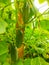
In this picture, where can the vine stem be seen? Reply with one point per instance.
(38, 16)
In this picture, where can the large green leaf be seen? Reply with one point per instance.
(3, 58)
(34, 61)
(3, 26)
(3, 51)
(3, 48)
(38, 61)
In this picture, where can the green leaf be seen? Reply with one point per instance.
(40, 50)
(38, 61)
(44, 24)
(5, 1)
(3, 48)
(3, 57)
(27, 62)
(19, 62)
(3, 26)
(3, 51)
(41, 1)
(6, 63)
